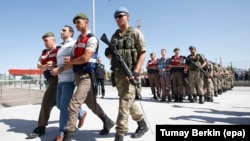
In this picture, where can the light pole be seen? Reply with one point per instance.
(93, 16)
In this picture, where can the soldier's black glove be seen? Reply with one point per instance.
(107, 52)
(136, 75)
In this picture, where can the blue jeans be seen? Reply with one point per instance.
(64, 94)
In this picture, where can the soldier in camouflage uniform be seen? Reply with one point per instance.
(226, 85)
(208, 83)
(231, 79)
(131, 46)
(215, 78)
(220, 80)
(195, 75)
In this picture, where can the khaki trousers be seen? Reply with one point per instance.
(127, 105)
(83, 94)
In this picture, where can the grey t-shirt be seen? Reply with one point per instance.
(65, 50)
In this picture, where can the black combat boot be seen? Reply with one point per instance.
(155, 97)
(118, 137)
(195, 98)
(141, 129)
(219, 91)
(180, 98)
(215, 93)
(107, 124)
(210, 99)
(191, 98)
(205, 98)
(201, 99)
(159, 96)
(176, 98)
(67, 136)
(37, 132)
(169, 98)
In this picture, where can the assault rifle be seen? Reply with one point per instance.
(204, 72)
(121, 63)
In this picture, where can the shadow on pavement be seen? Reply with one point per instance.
(215, 116)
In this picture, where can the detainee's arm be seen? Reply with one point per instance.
(49, 65)
(90, 49)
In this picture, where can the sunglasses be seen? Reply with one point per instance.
(119, 16)
(64, 30)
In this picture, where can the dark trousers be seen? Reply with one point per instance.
(99, 83)
(48, 102)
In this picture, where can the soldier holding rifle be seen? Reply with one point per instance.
(129, 43)
(195, 63)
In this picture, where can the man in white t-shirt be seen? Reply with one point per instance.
(66, 82)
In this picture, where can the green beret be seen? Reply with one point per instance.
(80, 16)
(48, 34)
(176, 49)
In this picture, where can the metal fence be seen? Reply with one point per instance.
(21, 92)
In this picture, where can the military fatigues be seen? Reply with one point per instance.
(215, 79)
(129, 45)
(195, 77)
(186, 85)
(231, 79)
(208, 83)
(226, 83)
(220, 80)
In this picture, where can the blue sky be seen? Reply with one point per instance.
(218, 28)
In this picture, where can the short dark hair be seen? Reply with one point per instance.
(70, 29)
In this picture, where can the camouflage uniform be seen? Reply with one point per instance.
(215, 78)
(129, 46)
(186, 85)
(208, 83)
(220, 80)
(226, 85)
(231, 79)
(195, 76)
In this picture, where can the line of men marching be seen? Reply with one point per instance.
(193, 76)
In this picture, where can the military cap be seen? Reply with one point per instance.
(80, 16)
(123, 10)
(48, 34)
(176, 49)
(192, 47)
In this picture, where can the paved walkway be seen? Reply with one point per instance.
(230, 108)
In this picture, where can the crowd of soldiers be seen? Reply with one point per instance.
(192, 77)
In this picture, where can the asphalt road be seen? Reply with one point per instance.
(230, 108)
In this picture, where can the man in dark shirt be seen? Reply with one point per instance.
(100, 77)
